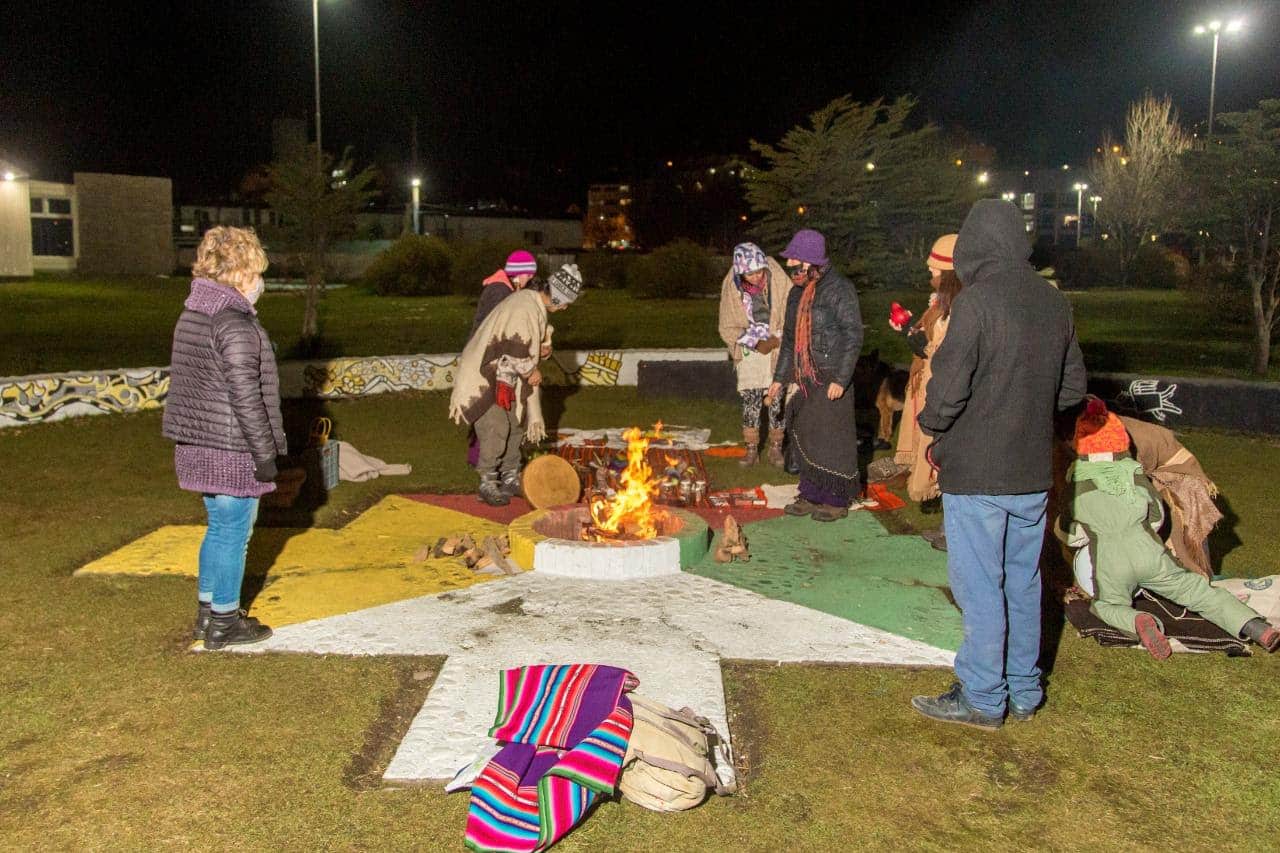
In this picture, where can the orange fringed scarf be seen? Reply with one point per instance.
(804, 336)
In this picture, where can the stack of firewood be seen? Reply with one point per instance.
(491, 556)
(733, 543)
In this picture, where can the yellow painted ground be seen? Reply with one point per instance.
(320, 573)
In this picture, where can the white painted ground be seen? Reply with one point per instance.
(671, 631)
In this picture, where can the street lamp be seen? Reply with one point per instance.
(1079, 188)
(1215, 27)
(315, 41)
(416, 183)
(983, 177)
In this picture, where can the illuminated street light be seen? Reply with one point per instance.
(1008, 196)
(1079, 188)
(1213, 27)
(983, 177)
(416, 183)
(871, 167)
(1066, 167)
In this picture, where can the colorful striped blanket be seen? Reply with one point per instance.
(565, 729)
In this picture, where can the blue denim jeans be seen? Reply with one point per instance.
(222, 553)
(993, 562)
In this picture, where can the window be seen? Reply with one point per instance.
(37, 205)
(1028, 201)
(51, 237)
(533, 238)
(60, 205)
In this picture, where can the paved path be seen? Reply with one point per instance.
(671, 632)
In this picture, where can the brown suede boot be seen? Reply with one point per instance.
(752, 439)
(775, 447)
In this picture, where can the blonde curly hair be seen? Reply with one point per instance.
(231, 256)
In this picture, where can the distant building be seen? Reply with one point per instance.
(607, 223)
(1049, 201)
(97, 224)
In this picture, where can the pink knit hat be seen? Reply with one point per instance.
(520, 262)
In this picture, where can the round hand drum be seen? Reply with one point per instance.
(550, 481)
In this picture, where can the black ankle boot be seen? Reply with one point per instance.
(233, 629)
(203, 612)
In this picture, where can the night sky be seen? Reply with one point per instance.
(531, 101)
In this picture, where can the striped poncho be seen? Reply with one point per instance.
(565, 729)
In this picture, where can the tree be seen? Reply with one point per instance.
(1137, 178)
(1233, 189)
(317, 201)
(879, 190)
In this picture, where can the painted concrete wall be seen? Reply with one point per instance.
(1176, 402)
(124, 224)
(27, 400)
(15, 228)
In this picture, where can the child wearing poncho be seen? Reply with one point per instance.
(1111, 511)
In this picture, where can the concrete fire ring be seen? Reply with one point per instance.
(606, 561)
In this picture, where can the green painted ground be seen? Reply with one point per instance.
(853, 569)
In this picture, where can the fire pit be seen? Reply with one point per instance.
(551, 541)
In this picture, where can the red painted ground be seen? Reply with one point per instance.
(471, 505)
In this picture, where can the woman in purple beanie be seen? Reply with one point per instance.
(223, 413)
(820, 344)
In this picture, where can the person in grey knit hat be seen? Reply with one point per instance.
(564, 285)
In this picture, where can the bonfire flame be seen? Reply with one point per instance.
(630, 513)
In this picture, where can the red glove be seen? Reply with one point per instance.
(899, 317)
(505, 396)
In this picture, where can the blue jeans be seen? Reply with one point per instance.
(222, 553)
(993, 562)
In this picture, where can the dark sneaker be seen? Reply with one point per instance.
(234, 629)
(203, 612)
(1151, 637)
(823, 512)
(800, 507)
(510, 484)
(491, 492)
(952, 707)
(1022, 715)
(937, 539)
(1262, 633)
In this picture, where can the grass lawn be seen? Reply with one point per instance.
(128, 323)
(113, 737)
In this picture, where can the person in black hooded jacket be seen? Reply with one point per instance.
(1010, 361)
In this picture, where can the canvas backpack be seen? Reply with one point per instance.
(668, 766)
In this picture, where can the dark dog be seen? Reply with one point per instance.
(884, 386)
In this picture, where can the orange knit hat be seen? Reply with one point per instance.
(1100, 431)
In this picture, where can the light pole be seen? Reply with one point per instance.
(1215, 27)
(1079, 188)
(416, 183)
(315, 39)
(1095, 199)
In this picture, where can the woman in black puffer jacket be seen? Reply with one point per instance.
(223, 412)
(820, 345)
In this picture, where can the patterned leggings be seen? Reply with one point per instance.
(753, 402)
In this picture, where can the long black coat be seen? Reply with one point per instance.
(224, 389)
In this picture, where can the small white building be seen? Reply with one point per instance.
(103, 224)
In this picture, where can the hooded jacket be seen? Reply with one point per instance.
(493, 290)
(1009, 361)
